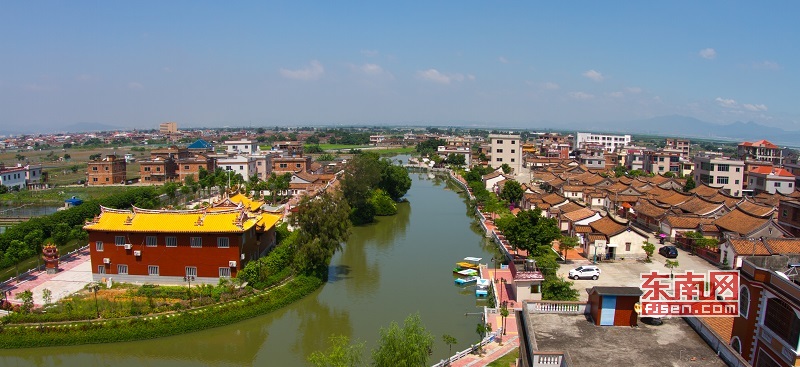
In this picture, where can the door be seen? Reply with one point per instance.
(607, 310)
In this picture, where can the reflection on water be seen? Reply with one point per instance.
(396, 267)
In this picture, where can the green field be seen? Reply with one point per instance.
(56, 196)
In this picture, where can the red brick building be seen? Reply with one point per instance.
(107, 171)
(164, 246)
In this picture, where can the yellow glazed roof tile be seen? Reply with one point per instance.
(173, 221)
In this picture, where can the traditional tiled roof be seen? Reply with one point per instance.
(569, 207)
(492, 175)
(574, 188)
(579, 214)
(675, 199)
(783, 246)
(753, 247)
(705, 190)
(700, 206)
(723, 326)
(593, 237)
(740, 222)
(607, 226)
(709, 228)
(650, 209)
(685, 221)
(766, 170)
(553, 199)
(177, 221)
(767, 198)
(581, 228)
(249, 204)
(754, 208)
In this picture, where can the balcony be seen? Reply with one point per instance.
(559, 307)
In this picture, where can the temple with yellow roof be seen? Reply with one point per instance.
(171, 246)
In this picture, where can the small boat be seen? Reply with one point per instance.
(465, 272)
(469, 263)
(467, 280)
(482, 289)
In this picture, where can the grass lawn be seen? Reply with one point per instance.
(57, 195)
(506, 360)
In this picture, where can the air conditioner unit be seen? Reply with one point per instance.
(128, 246)
(232, 263)
(106, 260)
(242, 256)
(137, 253)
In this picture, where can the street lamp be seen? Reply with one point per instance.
(94, 287)
(503, 283)
(189, 278)
(494, 275)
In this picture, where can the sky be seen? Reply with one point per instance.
(525, 64)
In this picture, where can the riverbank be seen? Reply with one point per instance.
(156, 326)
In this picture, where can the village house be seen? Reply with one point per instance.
(761, 150)
(107, 171)
(613, 239)
(771, 180)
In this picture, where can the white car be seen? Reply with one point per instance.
(586, 271)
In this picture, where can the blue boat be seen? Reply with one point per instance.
(467, 280)
(482, 289)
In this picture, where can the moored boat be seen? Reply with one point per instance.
(465, 272)
(482, 289)
(469, 263)
(467, 280)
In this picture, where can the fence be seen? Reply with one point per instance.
(559, 307)
(472, 349)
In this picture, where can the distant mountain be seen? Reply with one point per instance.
(690, 127)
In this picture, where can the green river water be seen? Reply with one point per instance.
(388, 270)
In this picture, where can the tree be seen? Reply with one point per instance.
(698, 241)
(506, 168)
(340, 353)
(361, 175)
(394, 180)
(565, 244)
(690, 185)
(450, 341)
(321, 231)
(61, 233)
(47, 296)
(512, 192)
(504, 314)
(27, 300)
(671, 264)
(384, 205)
(648, 248)
(171, 190)
(409, 346)
(558, 289)
(456, 159)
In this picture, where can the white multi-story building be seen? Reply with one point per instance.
(771, 180)
(609, 142)
(506, 149)
(715, 170)
(241, 147)
(243, 165)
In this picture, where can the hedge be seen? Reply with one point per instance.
(130, 329)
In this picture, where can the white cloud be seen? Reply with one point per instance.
(135, 86)
(313, 72)
(85, 77)
(754, 107)
(435, 76)
(550, 86)
(167, 69)
(616, 94)
(766, 65)
(727, 103)
(732, 104)
(371, 69)
(370, 53)
(581, 96)
(502, 60)
(634, 90)
(594, 75)
(708, 53)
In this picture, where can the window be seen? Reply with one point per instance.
(186, 167)
(147, 169)
(119, 240)
(499, 151)
(283, 165)
(191, 271)
(736, 182)
(790, 184)
(499, 142)
(513, 160)
(723, 167)
(151, 241)
(781, 319)
(627, 246)
(536, 288)
(241, 168)
(171, 241)
(499, 159)
(737, 169)
(222, 242)
(722, 180)
(513, 142)
(736, 344)
(744, 301)
(123, 269)
(94, 179)
(224, 272)
(661, 168)
(158, 169)
(777, 184)
(513, 151)
(196, 242)
(98, 246)
(152, 270)
(101, 269)
(94, 168)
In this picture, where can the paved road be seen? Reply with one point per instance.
(627, 273)
(76, 273)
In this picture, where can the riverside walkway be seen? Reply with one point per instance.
(74, 274)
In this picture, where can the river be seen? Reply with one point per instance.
(398, 266)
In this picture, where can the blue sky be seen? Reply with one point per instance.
(525, 64)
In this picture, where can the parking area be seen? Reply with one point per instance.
(627, 273)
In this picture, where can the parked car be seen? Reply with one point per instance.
(669, 252)
(585, 271)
